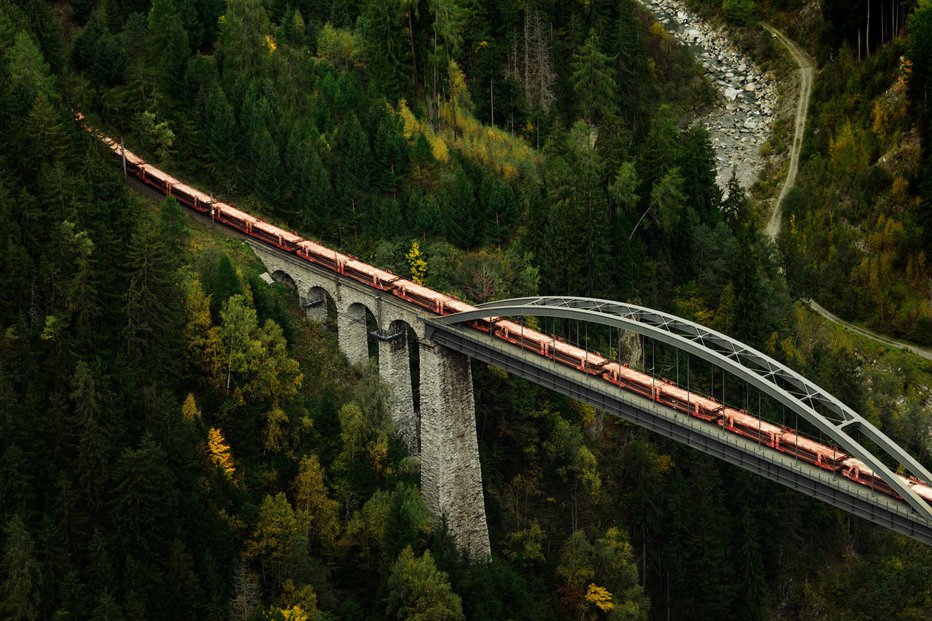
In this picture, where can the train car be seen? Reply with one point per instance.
(922, 489)
(232, 216)
(192, 197)
(582, 359)
(629, 379)
(330, 259)
(161, 181)
(286, 240)
(859, 472)
(428, 299)
(751, 427)
(689, 402)
(822, 455)
(524, 337)
(369, 275)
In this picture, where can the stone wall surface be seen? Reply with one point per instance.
(451, 479)
(395, 371)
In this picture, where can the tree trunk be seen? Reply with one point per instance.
(867, 31)
(492, 101)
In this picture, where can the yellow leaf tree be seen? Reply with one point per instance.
(416, 263)
(220, 454)
(600, 597)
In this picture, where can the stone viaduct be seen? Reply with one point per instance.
(441, 428)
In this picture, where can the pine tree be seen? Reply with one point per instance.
(418, 590)
(167, 42)
(267, 178)
(145, 503)
(593, 81)
(153, 303)
(20, 588)
(460, 212)
(384, 30)
(222, 133)
(352, 169)
(390, 153)
(697, 165)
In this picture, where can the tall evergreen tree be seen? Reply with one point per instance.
(593, 81)
(167, 41)
(21, 577)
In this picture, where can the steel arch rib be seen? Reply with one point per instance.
(772, 377)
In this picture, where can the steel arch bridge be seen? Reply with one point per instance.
(829, 415)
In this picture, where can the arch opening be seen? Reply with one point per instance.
(360, 326)
(284, 278)
(404, 336)
(319, 306)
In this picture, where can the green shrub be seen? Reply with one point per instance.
(739, 11)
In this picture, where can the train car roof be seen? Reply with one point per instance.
(201, 196)
(192, 191)
(753, 421)
(374, 271)
(421, 290)
(854, 462)
(323, 250)
(522, 330)
(161, 174)
(791, 437)
(459, 305)
(632, 374)
(923, 490)
(690, 397)
(593, 357)
(134, 159)
(286, 235)
(236, 213)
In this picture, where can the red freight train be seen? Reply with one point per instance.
(662, 391)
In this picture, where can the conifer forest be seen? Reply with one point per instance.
(179, 441)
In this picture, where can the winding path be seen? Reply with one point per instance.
(807, 75)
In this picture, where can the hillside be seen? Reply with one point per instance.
(177, 441)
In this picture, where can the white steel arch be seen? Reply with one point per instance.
(773, 378)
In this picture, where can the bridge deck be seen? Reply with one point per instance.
(708, 438)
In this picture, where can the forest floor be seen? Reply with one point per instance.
(807, 76)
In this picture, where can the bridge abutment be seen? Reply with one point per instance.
(451, 478)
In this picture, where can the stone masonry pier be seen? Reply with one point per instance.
(442, 431)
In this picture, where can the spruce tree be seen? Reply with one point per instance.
(593, 81)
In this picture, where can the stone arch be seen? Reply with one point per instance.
(355, 322)
(319, 305)
(283, 277)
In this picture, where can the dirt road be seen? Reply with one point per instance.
(806, 76)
